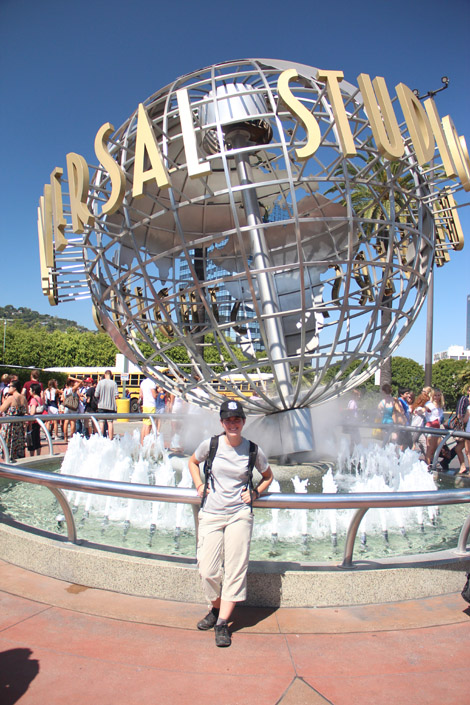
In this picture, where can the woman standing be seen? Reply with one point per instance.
(226, 518)
(433, 420)
(51, 399)
(388, 408)
(14, 405)
(35, 407)
(70, 390)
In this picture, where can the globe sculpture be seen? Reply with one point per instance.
(260, 272)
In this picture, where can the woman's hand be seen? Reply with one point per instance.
(200, 490)
(246, 495)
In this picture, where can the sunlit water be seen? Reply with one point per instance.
(279, 534)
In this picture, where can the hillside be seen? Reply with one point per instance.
(28, 317)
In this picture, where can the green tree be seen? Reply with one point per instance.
(452, 378)
(406, 373)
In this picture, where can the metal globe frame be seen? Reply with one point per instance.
(309, 271)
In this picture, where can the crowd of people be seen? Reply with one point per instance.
(421, 412)
(78, 396)
(86, 396)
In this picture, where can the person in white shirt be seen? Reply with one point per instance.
(148, 397)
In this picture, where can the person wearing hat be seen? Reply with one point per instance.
(226, 517)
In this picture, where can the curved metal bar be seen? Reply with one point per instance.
(463, 538)
(351, 536)
(68, 514)
(6, 453)
(274, 500)
(96, 424)
(48, 435)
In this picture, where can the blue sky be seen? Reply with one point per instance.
(66, 68)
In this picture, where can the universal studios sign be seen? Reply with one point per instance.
(196, 118)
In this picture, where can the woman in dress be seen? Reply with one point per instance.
(14, 405)
(35, 407)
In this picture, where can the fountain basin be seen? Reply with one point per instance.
(269, 584)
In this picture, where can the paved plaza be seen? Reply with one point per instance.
(65, 643)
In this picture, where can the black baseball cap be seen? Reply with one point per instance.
(232, 408)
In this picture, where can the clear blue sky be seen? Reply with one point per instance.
(66, 68)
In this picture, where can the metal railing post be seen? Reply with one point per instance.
(351, 536)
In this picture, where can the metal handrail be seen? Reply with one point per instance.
(361, 501)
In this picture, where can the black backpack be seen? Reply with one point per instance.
(214, 444)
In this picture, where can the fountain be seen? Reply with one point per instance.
(169, 528)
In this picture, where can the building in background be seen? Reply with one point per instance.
(453, 352)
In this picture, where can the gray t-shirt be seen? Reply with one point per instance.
(229, 473)
(106, 393)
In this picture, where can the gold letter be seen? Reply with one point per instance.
(381, 116)
(79, 181)
(46, 252)
(299, 110)
(333, 79)
(145, 140)
(189, 137)
(60, 241)
(443, 147)
(458, 150)
(116, 174)
(418, 124)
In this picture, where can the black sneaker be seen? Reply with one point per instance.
(222, 635)
(209, 621)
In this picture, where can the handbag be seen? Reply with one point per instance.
(466, 589)
(29, 440)
(71, 401)
(454, 423)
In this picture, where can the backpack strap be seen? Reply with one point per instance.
(214, 444)
(252, 455)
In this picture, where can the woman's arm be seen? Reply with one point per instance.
(193, 465)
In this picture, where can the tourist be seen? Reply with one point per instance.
(5, 379)
(160, 405)
(14, 404)
(91, 406)
(106, 393)
(463, 409)
(51, 403)
(70, 402)
(433, 415)
(34, 379)
(147, 398)
(388, 408)
(418, 413)
(226, 517)
(405, 400)
(33, 436)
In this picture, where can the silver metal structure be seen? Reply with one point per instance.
(312, 271)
